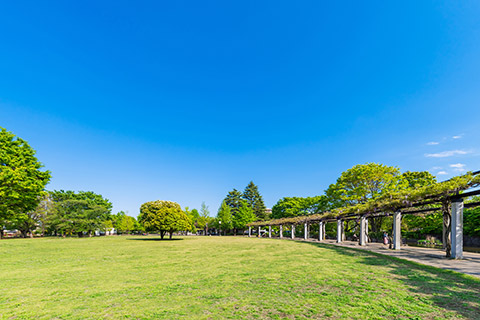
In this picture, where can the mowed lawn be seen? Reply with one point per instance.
(221, 277)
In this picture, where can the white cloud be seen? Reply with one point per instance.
(442, 172)
(457, 137)
(445, 154)
(459, 167)
(432, 143)
(437, 168)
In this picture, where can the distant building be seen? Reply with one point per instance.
(268, 211)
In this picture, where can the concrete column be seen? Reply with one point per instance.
(363, 232)
(293, 231)
(249, 232)
(258, 235)
(324, 233)
(305, 231)
(281, 231)
(397, 230)
(366, 230)
(320, 231)
(339, 230)
(269, 231)
(457, 229)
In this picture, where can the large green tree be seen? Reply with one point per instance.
(298, 206)
(22, 181)
(255, 201)
(163, 216)
(224, 217)
(78, 213)
(233, 200)
(79, 217)
(243, 217)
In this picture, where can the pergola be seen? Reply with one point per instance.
(447, 196)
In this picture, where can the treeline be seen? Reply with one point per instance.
(367, 182)
(68, 213)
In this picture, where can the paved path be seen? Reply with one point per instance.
(470, 264)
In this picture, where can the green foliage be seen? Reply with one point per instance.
(77, 217)
(89, 196)
(124, 223)
(21, 180)
(163, 216)
(297, 206)
(224, 217)
(255, 201)
(363, 182)
(77, 213)
(418, 179)
(244, 216)
(28, 222)
(471, 221)
(233, 200)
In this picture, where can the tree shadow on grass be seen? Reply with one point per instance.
(155, 239)
(447, 289)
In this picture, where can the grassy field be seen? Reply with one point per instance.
(221, 277)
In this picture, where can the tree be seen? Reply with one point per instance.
(297, 206)
(224, 217)
(204, 220)
(78, 213)
(362, 183)
(28, 222)
(77, 217)
(124, 223)
(255, 201)
(418, 179)
(21, 180)
(233, 200)
(243, 217)
(163, 216)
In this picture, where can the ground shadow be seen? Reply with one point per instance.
(445, 288)
(155, 239)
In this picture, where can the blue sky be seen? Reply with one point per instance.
(186, 100)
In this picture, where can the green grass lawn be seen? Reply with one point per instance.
(221, 277)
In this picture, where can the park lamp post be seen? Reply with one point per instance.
(220, 228)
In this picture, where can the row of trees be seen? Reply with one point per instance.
(71, 213)
(367, 182)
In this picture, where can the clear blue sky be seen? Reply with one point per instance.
(186, 100)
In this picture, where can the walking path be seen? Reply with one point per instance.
(470, 264)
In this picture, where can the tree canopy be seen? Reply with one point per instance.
(21, 180)
(255, 201)
(163, 216)
(298, 206)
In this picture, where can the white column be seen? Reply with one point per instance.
(281, 231)
(249, 231)
(397, 230)
(293, 231)
(324, 233)
(269, 231)
(259, 232)
(305, 231)
(363, 233)
(320, 231)
(457, 229)
(366, 230)
(339, 230)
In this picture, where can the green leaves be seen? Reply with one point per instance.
(163, 216)
(21, 180)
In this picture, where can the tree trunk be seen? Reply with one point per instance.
(447, 222)
(171, 233)
(162, 234)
